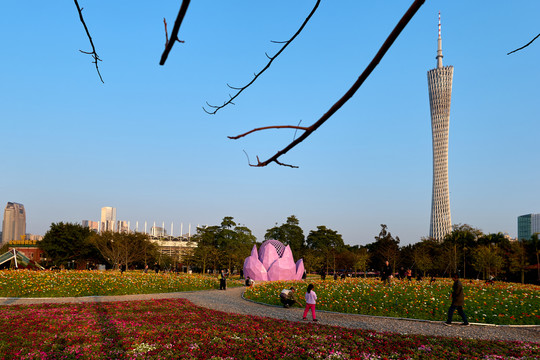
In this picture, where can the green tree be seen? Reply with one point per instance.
(360, 258)
(462, 238)
(487, 259)
(423, 255)
(327, 243)
(226, 245)
(66, 243)
(384, 248)
(517, 259)
(128, 248)
(289, 233)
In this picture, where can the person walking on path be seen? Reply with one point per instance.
(458, 300)
(222, 280)
(311, 300)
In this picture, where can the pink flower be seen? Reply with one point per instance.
(273, 262)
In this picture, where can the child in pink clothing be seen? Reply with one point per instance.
(311, 299)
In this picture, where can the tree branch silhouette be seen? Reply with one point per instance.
(93, 52)
(268, 127)
(524, 46)
(174, 33)
(272, 58)
(409, 14)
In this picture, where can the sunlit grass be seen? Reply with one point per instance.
(26, 283)
(500, 303)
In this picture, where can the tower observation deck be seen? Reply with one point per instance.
(440, 93)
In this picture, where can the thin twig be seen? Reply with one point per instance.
(295, 131)
(174, 33)
(166, 33)
(93, 53)
(365, 74)
(524, 46)
(266, 128)
(272, 58)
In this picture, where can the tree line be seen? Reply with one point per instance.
(466, 250)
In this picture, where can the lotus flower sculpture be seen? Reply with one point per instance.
(274, 261)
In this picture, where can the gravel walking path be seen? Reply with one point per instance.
(231, 301)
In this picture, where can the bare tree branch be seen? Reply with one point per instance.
(365, 74)
(524, 46)
(93, 52)
(174, 33)
(268, 127)
(272, 58)
(167, 34)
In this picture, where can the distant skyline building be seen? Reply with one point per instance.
(92, 225)
(528, 225)
(108, 218)
(122, 226)
(158, 231)
(440, 93)
(14, 224)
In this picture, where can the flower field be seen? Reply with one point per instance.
(176, 329)
(500, 303)
(26, 283)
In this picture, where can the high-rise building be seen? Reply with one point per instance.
(122, 226)
(92, 225)
(108, 218)
(440, 93)
(528, 225)
(14, 224)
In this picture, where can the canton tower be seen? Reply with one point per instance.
(440, 93)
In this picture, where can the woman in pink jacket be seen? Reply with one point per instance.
(311, 299)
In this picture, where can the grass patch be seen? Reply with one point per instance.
(500, 303)
(26, 283)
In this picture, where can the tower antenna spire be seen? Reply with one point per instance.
(439, 46)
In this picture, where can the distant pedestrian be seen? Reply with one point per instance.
(145, 269)
(386, 273)
(311, 300)
(409, 274)
(157, 267)
(458, 300)
(222, 280)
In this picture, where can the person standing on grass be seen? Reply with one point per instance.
(311, 299)
(386, 273)
(458, 300)
(222, 280)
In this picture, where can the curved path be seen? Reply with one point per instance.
(231, 301)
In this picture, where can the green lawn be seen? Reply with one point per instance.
(500, 303)
(26, 283)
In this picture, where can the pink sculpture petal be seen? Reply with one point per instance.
(255, 269)
(284, 268)
(267, 265)
(268, 255)
(299, 269)
(254, 252)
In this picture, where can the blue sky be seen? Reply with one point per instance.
(142, 143)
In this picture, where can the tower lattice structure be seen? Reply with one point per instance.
(440, 93)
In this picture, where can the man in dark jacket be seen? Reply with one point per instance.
(458, 300)
(386, 273)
